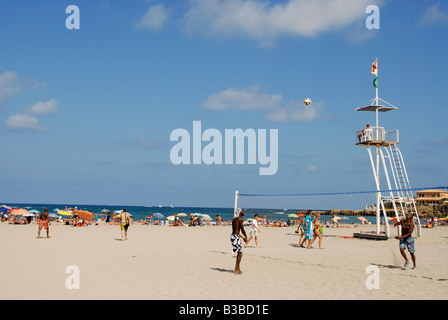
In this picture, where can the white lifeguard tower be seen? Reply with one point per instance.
(383, 151)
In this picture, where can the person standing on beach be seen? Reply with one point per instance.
(254, 230)
(44, 222)
(124, 224)
(235, 238)
(406, 239)
(107, 216)
(75, 217)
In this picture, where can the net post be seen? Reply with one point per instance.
(236, 204)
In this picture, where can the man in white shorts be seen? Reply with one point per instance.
(254, 231)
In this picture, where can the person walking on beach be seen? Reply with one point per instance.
(300, 229)
(254, 230)
(308, 229)
(317, 231)
(124, 224)
(406, 239)
(235, 238)
(44, 222)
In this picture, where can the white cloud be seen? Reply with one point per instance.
(434, 15)
(25, 121)
(154, 18)
(28, 120)
(9, 85)
(252, 99)
(148, 142)
(265, 21)
(50, 106)
(296, 111)
(242, 99)
(312, 169)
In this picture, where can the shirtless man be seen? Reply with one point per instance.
(235, 238)
(406, 240)
(44, 222)
(124, 224)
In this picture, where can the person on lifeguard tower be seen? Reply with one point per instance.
(366, 134)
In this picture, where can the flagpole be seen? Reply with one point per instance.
(376, 98)
(378, 195)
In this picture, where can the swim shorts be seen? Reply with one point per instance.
(124, 226)
(237, 243)
(409, 243)
(43, 224)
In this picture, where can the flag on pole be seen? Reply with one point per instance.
(375, 82)
(374, 69)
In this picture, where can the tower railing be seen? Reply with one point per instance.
(376, 135)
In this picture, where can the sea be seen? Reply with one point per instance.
(142, 212)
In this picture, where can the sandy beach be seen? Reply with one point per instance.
(161, 262)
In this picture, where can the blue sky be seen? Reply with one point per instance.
(86, 114)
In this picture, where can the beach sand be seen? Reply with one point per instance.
(161, 262)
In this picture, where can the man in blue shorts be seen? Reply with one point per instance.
(406, 240)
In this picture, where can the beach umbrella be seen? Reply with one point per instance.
(65, 213)
(158, 215)
(19, 212)
(53, 215)
(206, 217)
(181, 214)
(34, 211)
(292, 215)
(170, 218)
(28, 214)
(363, 220)
(86, 215)
(4, 209)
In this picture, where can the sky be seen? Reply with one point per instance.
(87, 111)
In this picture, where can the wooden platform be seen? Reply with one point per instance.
(370, 236)
(377, 143)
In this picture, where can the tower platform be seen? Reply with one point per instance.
(377, 143)
(370, 236)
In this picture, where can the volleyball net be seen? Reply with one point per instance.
(336, 209)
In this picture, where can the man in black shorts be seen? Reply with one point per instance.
(235, 238)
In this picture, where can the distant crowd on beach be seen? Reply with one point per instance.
(70, 216)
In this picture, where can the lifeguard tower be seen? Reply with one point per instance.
(383, 151)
